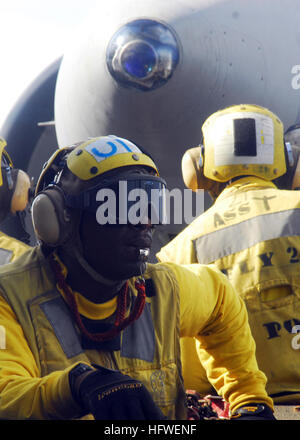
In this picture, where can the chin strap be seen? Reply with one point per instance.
(120, 321)
(117, 284)
(73, 246)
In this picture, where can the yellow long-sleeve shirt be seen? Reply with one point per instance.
(34, 370)
(252, 234)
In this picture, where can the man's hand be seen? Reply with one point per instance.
(110, 395)
(253, 411)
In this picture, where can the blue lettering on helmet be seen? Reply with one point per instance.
(110, 153)
(124, 145)
(108, 146)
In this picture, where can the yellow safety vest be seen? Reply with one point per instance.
(10, 248)
(252, 234)
(149, 349)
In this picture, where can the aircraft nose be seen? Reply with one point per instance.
(143, 54)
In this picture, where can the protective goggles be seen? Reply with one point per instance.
(136, 199)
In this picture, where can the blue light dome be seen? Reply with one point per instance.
(143, 54)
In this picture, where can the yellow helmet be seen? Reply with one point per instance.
(91, 158)
(243, 140)
(71, 179)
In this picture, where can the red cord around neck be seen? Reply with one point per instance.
(120, 321)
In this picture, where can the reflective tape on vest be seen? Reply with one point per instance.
(236, 238)
(5, 256)
(61, 320)
(139, 338)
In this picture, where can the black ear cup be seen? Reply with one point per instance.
(291, 179)
(50, 217)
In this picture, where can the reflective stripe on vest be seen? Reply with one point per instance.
(5, 256)
(61, 320)
(138, 339)
(243, 235)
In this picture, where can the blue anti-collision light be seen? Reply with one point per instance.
(138, 59)
(143, 54)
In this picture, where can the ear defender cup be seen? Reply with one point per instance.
(192, 169)
(20, 195)
(291, 179)
(296, 177)
(193, 173)
(14, 191)
(50, 217)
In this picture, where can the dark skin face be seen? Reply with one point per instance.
(111, 250)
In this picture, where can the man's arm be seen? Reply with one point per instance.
(180, 250)
(215, 314)
(66, 394)
(24, 394)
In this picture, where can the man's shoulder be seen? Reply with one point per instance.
(155, 269)
(30, 258)
(161, 273)
(176, 271)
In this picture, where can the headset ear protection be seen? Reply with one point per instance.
(291, 179)
(292, 136)
(21, 193)
(15, 185)
(295, 185)
(52, 220)
(192, 169)
(192, 166)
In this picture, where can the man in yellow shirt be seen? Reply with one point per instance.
(251, 233)
(92, 329)
(14, 191)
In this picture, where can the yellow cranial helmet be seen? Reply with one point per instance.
(243, 140)
(89, 159)
(72, 178)
(106, 153)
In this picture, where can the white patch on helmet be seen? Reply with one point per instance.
(109, 146)
(223, 135)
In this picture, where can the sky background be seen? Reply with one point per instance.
(33, 34)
